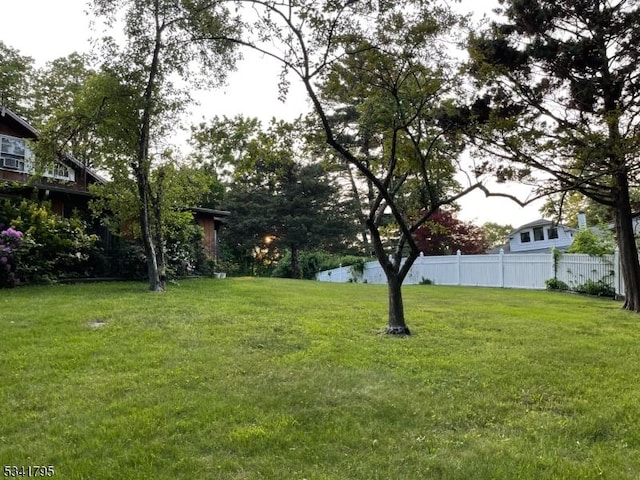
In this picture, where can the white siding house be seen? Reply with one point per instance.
(540, 236)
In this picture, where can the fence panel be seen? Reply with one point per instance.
(440, 270)
(522, 270)
(576, 269)
(527, 270)
(481, 270)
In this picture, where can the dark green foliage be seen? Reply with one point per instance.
(555, 284)
(184, 253)
(53, 248)
(16, 71)
(560, 79)
(281, 199)
(599, 288)
(311, 263)
(129, 262)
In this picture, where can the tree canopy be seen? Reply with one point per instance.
(281, 198)
(560, 99)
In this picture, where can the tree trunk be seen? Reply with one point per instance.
(156, 283)
(396, 324)
(159, 234)
(142, 171)
(630, 265)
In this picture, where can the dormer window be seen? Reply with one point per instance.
(14, 154)
(538, 234)
(525, 237)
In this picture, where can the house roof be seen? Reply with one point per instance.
(221, 215)
(7, 112)
(99, 178)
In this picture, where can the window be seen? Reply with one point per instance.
(525, 237)
(60, 171)
(538, 234)
(552, 233)
(13, 153)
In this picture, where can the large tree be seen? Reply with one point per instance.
(392, 56)
(132, 105)
(562, 84)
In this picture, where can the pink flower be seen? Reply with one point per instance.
(10, 232)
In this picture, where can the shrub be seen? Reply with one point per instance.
(52, 247)
(10, 241)
(129, 261)
(183, 246)
(599, 288)
(311, 263)
(555, 284)
(586, 241)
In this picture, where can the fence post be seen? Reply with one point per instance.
(501, 260)
(458, 258)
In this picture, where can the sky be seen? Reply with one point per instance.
(46, 30)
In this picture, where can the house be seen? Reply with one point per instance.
(65, 184)
(210, 221)
(540, 236)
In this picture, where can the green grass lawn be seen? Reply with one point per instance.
(277, 379)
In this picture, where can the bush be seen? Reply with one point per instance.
(129, 261)
(555, 284)
(183, 246)
(586, 241)
(52, 247)
(599, 288)
(10, 241)
(312, 263)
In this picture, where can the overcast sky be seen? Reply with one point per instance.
(47, 29)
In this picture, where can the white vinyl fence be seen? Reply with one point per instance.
(522, 270)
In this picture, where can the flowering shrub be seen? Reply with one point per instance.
(183, 245)
(50, 247)
(10, 241)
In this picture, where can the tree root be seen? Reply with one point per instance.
(401, 331)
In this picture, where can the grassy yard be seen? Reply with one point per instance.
(276, 379)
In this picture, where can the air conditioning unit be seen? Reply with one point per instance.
(12, 163)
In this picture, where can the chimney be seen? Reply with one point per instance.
(582, 220)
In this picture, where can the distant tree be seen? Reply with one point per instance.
(16, 73)
(496, 234)
(444, 234)
(592, 243)
(566, 206)
(559, 93)
(280, 199)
